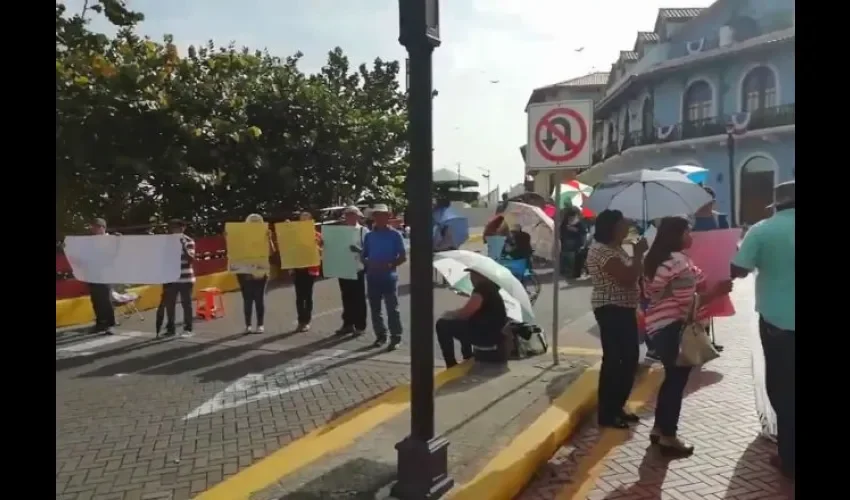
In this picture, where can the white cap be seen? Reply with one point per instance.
(380, 208)
(351, 209)
(254, 218)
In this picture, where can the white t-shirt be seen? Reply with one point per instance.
(359, 237)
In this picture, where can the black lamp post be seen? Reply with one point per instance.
(730, 151)
(422, 459)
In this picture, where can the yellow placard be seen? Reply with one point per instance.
(297, 244)
(247, 247)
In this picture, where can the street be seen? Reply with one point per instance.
(139, 416)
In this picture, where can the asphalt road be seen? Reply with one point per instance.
(139, 417)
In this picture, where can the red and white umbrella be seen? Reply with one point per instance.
(574, 193)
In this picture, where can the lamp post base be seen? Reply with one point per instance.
(422, 469)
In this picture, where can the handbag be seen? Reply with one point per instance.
(695, 348)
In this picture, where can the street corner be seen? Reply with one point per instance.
(326, 440)
(482, 415)
(138, 415)
(568, 396)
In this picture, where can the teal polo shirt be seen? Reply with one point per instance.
(769, 249)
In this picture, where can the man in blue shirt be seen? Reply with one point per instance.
(383, 252)
(769, 248)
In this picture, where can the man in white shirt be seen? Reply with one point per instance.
(101, 294)
(353, 292)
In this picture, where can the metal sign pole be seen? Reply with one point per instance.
(556, 270)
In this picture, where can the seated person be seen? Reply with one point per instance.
(479, 322)
(519, 246)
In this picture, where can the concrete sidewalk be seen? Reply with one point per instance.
(731, 460)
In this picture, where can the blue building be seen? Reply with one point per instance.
(711, 87)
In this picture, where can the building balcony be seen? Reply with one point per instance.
(765, 118)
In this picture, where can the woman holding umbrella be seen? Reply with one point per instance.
(614, 276)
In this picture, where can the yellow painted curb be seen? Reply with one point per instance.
(509, 471)
(580, 351)
(329, 438)
(78, 311)
(591, 465)
(475, 238)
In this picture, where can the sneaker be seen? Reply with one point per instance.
(187, 333)
(169, 334)
(344, 330)
(303, 327)
(261, 329)
(379, 342)
(108, 331)
(394, 343)
(248, 330)
(358, 333)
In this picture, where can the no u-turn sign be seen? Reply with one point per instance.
(559, 135)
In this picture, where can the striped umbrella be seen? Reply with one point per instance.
(574, 193)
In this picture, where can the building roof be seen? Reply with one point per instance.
(676, 15)
(598, 78)
(629, 55)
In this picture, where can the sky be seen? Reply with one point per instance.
(493, 54)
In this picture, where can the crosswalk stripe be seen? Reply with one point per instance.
(86, 348)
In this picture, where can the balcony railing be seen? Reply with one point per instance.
(776, 116)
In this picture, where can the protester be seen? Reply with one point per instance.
(182, 288)
(573, 239)
(304, 279)
(100, 294)
(353, 291)
(614, 299)
(479, 322)
(253, 287)
(383, 252)
(496, 227)
(671, 283)
(769, 248)
(443, 238)
(708, 219)
(518, 244)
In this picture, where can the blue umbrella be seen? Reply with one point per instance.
(696, 174)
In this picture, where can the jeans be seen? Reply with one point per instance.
(618, 331)
(253, 296)
(780, 381)
(353, 294)
(384, 289)
(101, 302)
(170, 294)
(450, 329)
(304, 295)
(668, 407)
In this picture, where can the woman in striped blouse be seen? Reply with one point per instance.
(671, 282)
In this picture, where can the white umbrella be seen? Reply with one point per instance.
(453, 265)
(648, 195)
(536, 223)
(696, 174)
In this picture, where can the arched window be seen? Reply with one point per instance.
(758, 176)
(698, 102)
(647, 119)
(758, 90)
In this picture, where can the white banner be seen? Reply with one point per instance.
(131, 260)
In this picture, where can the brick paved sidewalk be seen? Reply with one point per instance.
(718, 417)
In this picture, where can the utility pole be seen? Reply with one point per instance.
(422, 457)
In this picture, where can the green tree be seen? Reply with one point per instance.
(143, 132)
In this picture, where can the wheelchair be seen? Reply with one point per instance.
(524, 272)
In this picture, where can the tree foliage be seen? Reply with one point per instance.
(146, 133)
